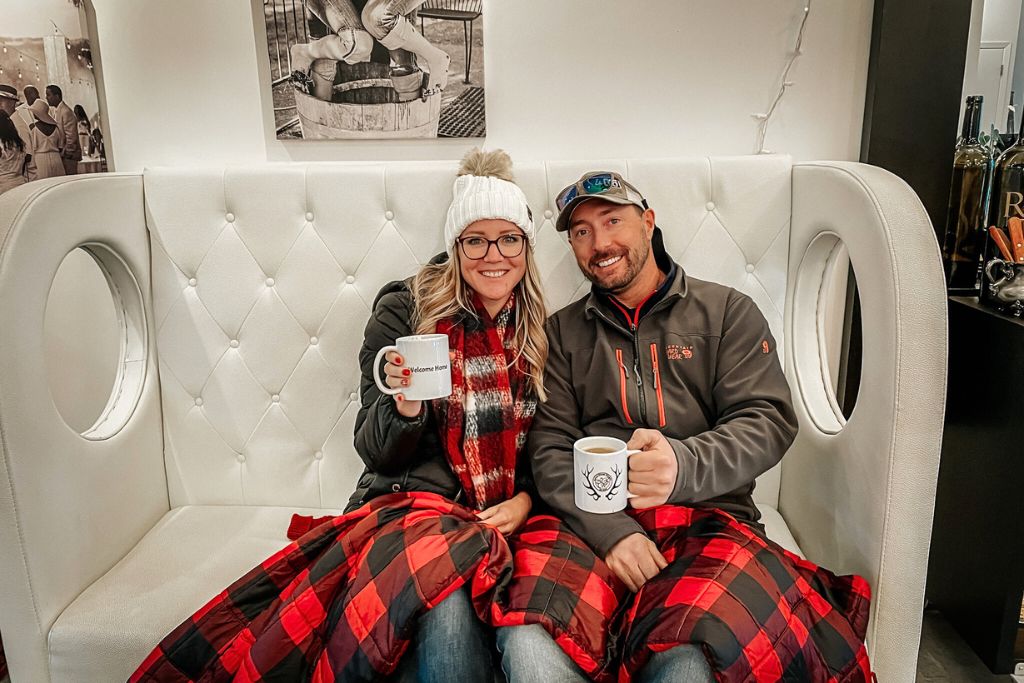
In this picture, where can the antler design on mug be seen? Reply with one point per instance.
(589, 485)
(616, 484)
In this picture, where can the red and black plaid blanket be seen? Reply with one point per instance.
(342, 601)
(3, 660)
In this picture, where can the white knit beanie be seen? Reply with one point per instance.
(485, 189)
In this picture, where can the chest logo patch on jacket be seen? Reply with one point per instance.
(764, 346)
(678, 352)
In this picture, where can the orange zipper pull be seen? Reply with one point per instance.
(657, 385)
(622, 386)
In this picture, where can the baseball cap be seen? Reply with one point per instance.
(606, 185)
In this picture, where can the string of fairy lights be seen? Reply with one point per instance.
(26, 61)
(764, 118)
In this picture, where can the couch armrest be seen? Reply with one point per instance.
(71, 505)
(859, 495)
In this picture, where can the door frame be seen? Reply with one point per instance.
(1005, 79)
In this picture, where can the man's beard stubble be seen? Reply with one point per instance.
(635, 259)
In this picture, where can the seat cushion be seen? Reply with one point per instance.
(192, 554)
(777, 529)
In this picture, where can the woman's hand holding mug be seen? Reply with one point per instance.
(397, 377)
(418, 369)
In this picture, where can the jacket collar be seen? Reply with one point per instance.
(597, 300)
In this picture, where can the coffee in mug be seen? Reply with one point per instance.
(601, 474)
(426, 357)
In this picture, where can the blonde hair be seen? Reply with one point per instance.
(439, 292)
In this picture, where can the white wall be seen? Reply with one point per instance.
(565, 79)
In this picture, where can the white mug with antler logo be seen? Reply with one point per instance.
(601, 465)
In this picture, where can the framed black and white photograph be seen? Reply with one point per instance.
(49, 92)
(376, 69)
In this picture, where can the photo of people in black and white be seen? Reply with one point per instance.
(50, 119)
(376, 69)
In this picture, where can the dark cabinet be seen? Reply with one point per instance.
(976, 566)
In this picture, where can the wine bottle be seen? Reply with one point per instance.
(965, 219)
(1007, 197)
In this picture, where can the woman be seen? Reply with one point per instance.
(486, 281)
(442, 481)
(12, 155)
(83, 129)
(96, 144)
(45, 141)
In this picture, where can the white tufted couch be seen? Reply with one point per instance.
(242, 294)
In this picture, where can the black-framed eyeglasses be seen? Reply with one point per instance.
(476, 247)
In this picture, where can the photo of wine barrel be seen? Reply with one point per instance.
(383, 69)
(362, 102)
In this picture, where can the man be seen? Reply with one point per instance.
(23, 120)
(31, 94)
(71, 149)
(684, 370)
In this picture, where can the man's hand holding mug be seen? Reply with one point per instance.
(650, 466)
(652, 471)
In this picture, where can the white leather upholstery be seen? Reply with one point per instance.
(777, 529)
(859, 496)
(258, 282)
(257, 356)
(192, 554)
(70, 507)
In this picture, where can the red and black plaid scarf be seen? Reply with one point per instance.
(341, 602)
(485, 420)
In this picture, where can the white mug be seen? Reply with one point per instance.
(426, 356)
(601, 474)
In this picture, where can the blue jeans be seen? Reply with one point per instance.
(451, 644)
(530, 655)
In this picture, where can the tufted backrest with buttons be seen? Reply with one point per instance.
(263, 278)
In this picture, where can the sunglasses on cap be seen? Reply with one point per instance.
(596, 184)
